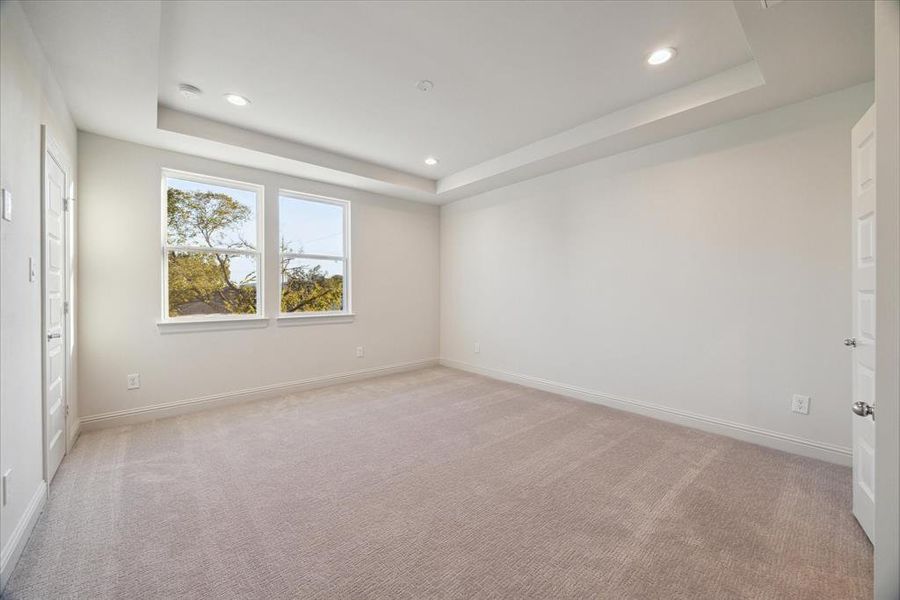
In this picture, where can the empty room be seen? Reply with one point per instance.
(450, 299)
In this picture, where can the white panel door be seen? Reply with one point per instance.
(863, 341)
(54, 281)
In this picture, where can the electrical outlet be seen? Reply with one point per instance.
(7, 476)
(134, 381)
(800, 404)
(477, 348)
(360, 352)
(32, 269)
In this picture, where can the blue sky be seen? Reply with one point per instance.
(313, 227)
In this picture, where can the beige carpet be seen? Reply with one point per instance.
(439, 484)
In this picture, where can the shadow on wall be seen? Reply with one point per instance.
(755, 128)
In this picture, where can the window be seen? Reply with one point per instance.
(212, 242)
(315, 269)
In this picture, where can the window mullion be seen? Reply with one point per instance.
(211, 250)
(311, 256)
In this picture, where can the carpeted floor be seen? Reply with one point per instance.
(439, 484)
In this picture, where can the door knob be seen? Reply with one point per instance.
(54, 336)
(851, 342)
(864, 409)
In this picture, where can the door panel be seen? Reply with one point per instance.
(865, 329)
(864, 298)
(54, 314)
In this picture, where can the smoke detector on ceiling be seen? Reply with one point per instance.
(424, 86)
(189, 91)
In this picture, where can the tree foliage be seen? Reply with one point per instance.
(308, 287)
(201, 282)
(204, 217)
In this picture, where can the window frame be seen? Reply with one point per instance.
(259, 253)
(345, 259)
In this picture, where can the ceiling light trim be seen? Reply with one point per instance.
(236, 99)
(661, 56)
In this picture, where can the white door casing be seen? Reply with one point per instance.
(54, 311)
(863, 282)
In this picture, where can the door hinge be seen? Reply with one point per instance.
(67, 410)
(66, 307)
(67, 203)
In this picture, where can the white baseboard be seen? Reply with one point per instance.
(180, 407)
(11, 552)
(748, 433)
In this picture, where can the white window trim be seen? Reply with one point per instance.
(224, 323)
(198, 322)
(319, 318)
(335, 316)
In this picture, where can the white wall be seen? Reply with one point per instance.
(707, 275)
(887, 335)
(29, 97)
(394, 284)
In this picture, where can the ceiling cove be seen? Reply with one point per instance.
(361, 94)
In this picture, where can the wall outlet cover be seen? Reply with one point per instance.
(134, 381)
(360, 352)
(800, 404)
(477, 347)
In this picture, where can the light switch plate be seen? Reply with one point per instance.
(7, 205)
(7, 476)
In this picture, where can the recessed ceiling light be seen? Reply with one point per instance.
(431, 161)
(663, 55)
(425, 86)
(237, 99)
(189, 91)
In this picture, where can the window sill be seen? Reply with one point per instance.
(315, 319)
(211, 324)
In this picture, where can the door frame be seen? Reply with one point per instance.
(51, 149)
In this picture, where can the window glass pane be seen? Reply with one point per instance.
(311, 285)
(206, 215)
(309, 227)
(207, 283)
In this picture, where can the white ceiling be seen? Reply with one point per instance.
(520, 88)
(341, 76)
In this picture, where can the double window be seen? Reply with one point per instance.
(214, 257)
